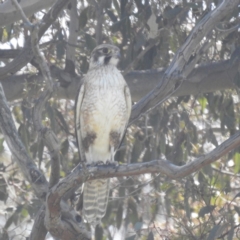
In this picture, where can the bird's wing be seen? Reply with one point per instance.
(78, 104)
(128, 101)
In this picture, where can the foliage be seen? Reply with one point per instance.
(203, 205)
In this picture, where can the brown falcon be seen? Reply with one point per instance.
(103, 109)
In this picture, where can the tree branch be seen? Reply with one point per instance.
(206, 78)
(25, 163)
(8, 13)
(26, 54)
(180, 64)
(78, 176)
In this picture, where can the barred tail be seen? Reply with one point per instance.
(95, 200)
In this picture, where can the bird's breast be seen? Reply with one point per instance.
(104, 112)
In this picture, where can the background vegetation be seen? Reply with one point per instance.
(200, 112)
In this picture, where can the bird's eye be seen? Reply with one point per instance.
(106, 50)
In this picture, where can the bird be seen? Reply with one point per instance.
(102, 112)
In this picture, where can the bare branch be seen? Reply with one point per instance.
(78, 176)
(163, 166)
(206, 78)
(63, 225)
(18, 7)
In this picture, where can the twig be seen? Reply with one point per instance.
(24, 17)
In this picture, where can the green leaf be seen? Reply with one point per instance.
(1, 145)
(83, 18)
(150, 236)
(118, 25)
(90, 42)
(194, 6)
(62, 120)
(205, 210)
(237, 209)
(133, 213)
(60, 46)
(24, 135)
(162, 143)
(217, 231)
(236, 79)
(24, 212)
(119, 215)
(131, 238)
(236, 196)
(111, 15)
(116, 6)
(64, 147)
(170, 13)
(98, 232)
(3, 190)
(203, 102)
(52, 116)
(236, 159)
(40, 150)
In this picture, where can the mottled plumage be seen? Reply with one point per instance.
(103, 109)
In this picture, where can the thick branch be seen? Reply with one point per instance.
(207, 78)
(77, 177)
(180, 64)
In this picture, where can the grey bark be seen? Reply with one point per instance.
(207, 78)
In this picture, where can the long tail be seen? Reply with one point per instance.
(95, 200)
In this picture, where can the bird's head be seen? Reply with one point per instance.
(104, 54)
